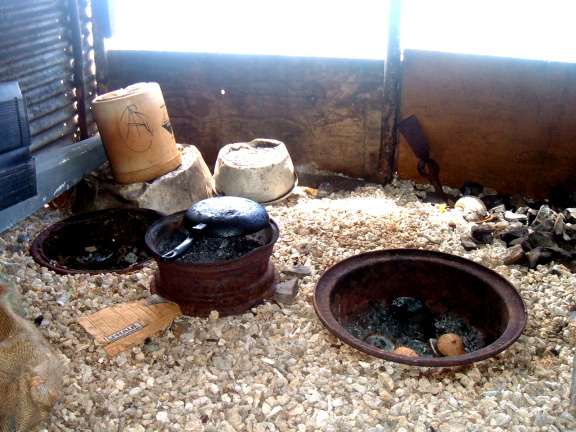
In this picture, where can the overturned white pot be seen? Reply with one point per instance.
(260, 170)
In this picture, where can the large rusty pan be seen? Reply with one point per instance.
(479, 295)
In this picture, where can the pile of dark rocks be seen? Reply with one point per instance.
(538, 232)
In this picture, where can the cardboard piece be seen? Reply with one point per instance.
(124, 326)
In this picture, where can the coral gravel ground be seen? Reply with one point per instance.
(276, 368)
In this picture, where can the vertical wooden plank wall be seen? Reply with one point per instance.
(326, 111)
(506, 123)
(509, 124)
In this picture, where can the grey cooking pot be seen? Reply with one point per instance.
(224, 216)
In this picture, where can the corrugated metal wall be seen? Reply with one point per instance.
(37, 50)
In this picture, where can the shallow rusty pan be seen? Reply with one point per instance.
(102, 241)
(477, 294)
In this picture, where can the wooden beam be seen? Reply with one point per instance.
(392, 94)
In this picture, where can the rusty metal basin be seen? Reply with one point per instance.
(102, 241)
(442, 281)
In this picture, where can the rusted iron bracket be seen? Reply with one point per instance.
(427, 168)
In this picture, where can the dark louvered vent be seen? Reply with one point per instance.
(42, 44)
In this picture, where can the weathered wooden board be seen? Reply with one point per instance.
(509, 124)
(326, 111)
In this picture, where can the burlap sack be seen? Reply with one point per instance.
(30, 375)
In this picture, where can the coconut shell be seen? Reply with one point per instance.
(405, 351)
(450, 344)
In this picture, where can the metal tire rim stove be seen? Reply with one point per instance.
(230, 287)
